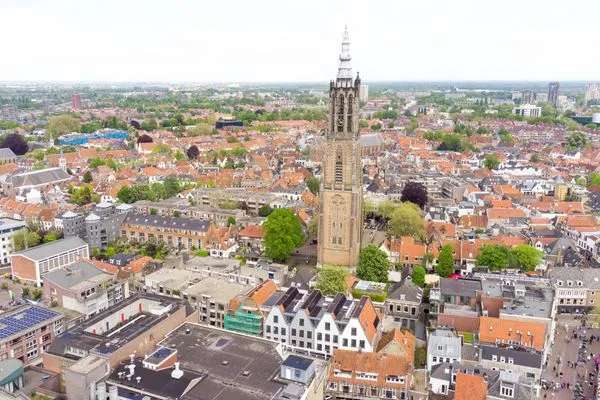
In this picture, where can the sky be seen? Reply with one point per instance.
(298, 41)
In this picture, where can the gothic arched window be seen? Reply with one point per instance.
(340, 113)
(339, 166)
(349, 114)
(337, 216)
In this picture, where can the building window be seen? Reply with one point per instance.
(301, 322)
(327, 326)
(353, 331)
(275, 318)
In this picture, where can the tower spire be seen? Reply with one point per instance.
(345, 70)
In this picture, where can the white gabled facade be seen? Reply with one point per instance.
(317, 324)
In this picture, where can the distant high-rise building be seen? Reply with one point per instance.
(592, 93)
(363, 93)
(553, 93)
(528, 97)
(76, 101)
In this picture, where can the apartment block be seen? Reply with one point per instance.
(8, 227)
(84, 288)
(27, 332)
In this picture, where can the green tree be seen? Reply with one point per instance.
(418, 276)
(283, 234)
(576, 141)
(491, 161)
(313, 226)
(593, 179)
(87, 177)
(83, 195)
(505, 137)
(331, 280)
(445, 265)
(51, 236)
(313, 184)
(373, 264)
(493, 256)
(25, 238)
(149, 124)
(265, 211)
(62, 124)
(406, 220)
(526, 257)
(230, 221)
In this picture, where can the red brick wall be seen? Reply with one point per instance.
(23, 268)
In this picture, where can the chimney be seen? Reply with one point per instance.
(101, 391)
(176, 373)
(113, 393)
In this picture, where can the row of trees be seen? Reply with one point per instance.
(153, 192)
(497, 257)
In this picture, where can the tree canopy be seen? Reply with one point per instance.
(154, 192)
(406, 220)
(576, 141)
(83, 195)
(497, 257)
(16, 143)
(418, 276)
(62, 124)
(373, 264)
(445, 265)
(283, 234)
(415, 192)
(331, 280)
(313, 184)
(491, 161)
(193, 152)
(25, 238)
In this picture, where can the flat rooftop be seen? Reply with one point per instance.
(219, 289)
(17, 322)
(83, 337)
(236, 366)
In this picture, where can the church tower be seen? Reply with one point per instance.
(340, 219)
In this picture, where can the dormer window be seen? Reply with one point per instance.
(507, 391)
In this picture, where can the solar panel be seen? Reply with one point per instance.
(24, 320)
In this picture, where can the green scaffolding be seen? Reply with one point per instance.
(243, 322)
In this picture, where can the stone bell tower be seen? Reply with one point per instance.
(340, 219)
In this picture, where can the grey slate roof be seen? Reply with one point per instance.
(590, 277)
(526, 358)
(74, 274)
(406, 290)
(7, 154)
(190, 224)
(40, 177)
(459, 287)
(46, 250)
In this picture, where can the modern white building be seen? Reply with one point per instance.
(8, 227)
(443, 345)
(592, 92)
(528, 110)
(316, 324)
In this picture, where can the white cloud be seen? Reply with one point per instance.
(270, 40)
